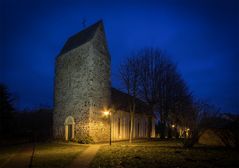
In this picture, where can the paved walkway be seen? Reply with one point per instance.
(20, 159)
(83, 160)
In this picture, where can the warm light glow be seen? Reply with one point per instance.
(106, 113)
(173, 126)
(188, 129)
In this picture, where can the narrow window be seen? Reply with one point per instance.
(138, 129)
(145, 129)
(119, 126)
(129, 126)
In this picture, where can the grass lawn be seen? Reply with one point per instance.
(163, 154)
(55, 155)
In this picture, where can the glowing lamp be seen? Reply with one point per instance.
(106, 113)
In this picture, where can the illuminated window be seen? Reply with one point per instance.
(119, 126)
(145, 129)
(138, 129)
(129, 126)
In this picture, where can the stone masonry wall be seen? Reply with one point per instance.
(82, 89)
(72, 91)
(100, 87)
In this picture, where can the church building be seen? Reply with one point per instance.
(83, 94)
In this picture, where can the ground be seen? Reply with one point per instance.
(46, 155)
(7, 152)
(163, 154)
(124, 155)
(56, 155)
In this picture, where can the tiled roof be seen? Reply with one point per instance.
(120, 101)
(80, 38)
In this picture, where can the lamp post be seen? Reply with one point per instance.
(108, 114)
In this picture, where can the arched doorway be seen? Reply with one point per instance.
(69, 128)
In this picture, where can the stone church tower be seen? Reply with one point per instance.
(82, 87)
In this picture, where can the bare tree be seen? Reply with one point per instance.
(152, 76)
(129, 74)
(154, 67)
(161, 86)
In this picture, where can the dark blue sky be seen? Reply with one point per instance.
(200, 36)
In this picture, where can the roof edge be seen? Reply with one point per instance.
(80, 38)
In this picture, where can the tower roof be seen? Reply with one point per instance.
(80, 38)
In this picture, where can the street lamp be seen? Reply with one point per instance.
(108, 114)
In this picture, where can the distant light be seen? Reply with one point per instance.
(188, 129)
(173, 125)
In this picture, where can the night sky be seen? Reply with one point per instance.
(201, 37)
